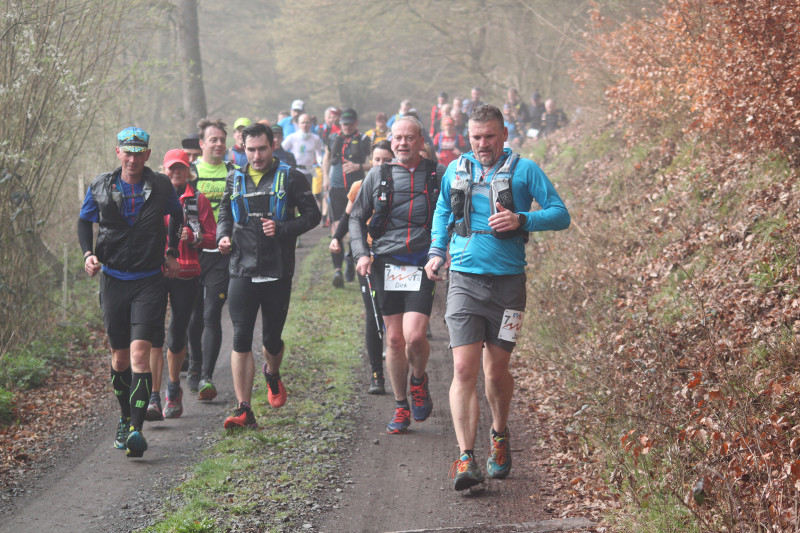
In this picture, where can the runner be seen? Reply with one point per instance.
(236, 154)
(205, 326)
(402, 195)
(486, 198)
(258, 228)
(345, 161)
(129, 204)
(199, 231)
(373, 331)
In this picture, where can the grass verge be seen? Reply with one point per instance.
(265, 480)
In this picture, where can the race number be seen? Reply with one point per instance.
(402, 278)
(510, 326)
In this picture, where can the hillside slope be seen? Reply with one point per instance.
(665, 321)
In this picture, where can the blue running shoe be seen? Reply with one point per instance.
(123, 429)
(421, 403)
(136, 444)
(465, 472)
(499, 463)
(400, 422)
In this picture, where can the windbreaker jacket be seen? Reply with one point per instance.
(409, 226)
(188, 250)
(254, 254)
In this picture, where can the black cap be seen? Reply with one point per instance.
(192, 141)
(277, 128)
(349, 116)
(443, 95)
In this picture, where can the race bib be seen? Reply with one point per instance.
(402, 278)
(510, 326)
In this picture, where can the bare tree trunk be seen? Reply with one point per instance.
(194, 95)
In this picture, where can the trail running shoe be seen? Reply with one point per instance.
(377, 384)
(400, 422)
(174, 407)
(193, 380)
(136, 444)
(499, 463)
(123, 429)
(338, 279)
(421, 403)
(243, 418)
(207, 390)
(465, 472)
(154, 413)
(276, 392)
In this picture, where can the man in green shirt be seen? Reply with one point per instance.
(205, 327)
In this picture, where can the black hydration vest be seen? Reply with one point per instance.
(377, 225)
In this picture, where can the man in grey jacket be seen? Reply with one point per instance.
(398, 199)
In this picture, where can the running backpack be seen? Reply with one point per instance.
(275, 203)
(377, 225)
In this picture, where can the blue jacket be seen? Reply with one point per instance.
(482, 253)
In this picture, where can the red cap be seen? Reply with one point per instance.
(176, 156)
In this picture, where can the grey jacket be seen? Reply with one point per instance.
(408, 228)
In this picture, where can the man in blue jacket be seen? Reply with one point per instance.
(485, 199)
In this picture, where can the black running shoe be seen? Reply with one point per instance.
(377, 384)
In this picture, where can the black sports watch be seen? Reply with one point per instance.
(172, 252)
(522, 219)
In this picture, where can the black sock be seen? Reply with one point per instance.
(141, 385)
(470, 453)
(417, 381)
(244, 405)
(403, 404)
(121, 383)
(496, 434)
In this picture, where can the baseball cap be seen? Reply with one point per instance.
(242, 121)
(191, 142)
(277, 128)
(349, 116)
(176, 155)
(133, 140)
(298, 105)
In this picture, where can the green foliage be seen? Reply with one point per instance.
(6, 406)
(23, 370)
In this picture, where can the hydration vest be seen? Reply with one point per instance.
(191, 216)
(500, 192)
(240, 198)
(377, 225)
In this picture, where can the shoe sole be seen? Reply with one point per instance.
(153, 418)
(207, 394)
(176, 414)
(391, 431)
(233, 426)
(376, 392)
(136, 447)
(466, 482)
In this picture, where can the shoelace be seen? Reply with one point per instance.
(499, 446)
(418, 395)
(459, 466)
(401, 415)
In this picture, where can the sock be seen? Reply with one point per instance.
(417, 381)
(468, 453)
(173, 389)
(496, 434)
(244, 405)
(402, 403)
(141, 385)
(121, 383)
(155, 397)
(272, 381)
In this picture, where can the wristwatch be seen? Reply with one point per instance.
(522, 219)
(172, 252)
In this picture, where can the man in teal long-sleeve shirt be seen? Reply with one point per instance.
(485, 201)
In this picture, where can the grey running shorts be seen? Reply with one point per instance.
(476, 304)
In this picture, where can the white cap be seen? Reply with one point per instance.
(298, 104)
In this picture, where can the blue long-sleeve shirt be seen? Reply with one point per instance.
(482, 253)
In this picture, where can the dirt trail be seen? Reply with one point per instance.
(395, 482)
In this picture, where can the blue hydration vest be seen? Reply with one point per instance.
(277, 197)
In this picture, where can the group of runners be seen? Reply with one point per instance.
(213, 228)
